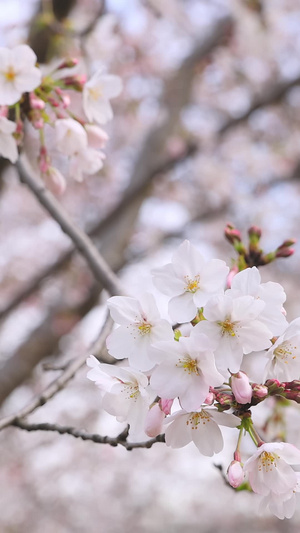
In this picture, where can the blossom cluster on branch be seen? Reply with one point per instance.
(47, 102)
(230, 349)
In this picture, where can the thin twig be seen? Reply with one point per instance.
(61, 380)
(94, 437)
(83, 243)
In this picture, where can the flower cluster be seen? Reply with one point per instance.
(187, 386)
(49, 103)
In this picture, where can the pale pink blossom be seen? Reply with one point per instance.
(96, 95)
(140, 326)
(124, 390)
(283, 358)
(248, 283)
(190, 280)
(200, 427)
(186, 370)
(269, 468)
(87, 161)
(8, 144)
(241, 387)
(70, 136)
(234, 326)
(282, 505)
(235, 474)
(18, 73)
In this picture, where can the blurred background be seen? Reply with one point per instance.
(206, 131)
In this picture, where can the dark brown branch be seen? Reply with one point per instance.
(94, 437)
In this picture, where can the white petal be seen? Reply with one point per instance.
(182, 308)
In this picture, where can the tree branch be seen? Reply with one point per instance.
(61, 380)
(94, 437)
(83, 243)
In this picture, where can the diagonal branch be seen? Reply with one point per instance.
(83, 243)
(94, 437)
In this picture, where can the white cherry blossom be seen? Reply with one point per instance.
(96, 95)
(282, 360)
(234, 325)
(18, 73)
(190, 280)
(248, 282)
(70, 136)
(187, 370)
(125, 392)
(269, 468)
(87, 161)
(140, 326)
(200, 427)
(8, 144)
(282, 505)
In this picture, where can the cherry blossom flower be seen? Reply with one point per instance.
(201, 427)
(190, 280)
(284, 356)
(248, 282)
(8, 144)
(71, 137)
(269, 468)
(125, 392)
(18, 73)
(54, 180)
(140, 327)
(186, 370)
(234, 325)
(96, 95)
(88, 161)
(282, 505)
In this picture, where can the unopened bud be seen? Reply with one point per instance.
(68, 63)
(36, 102)
(284, 252)
(235, 474)
(232, 235)
(55, 181)
(166, 405)
(259, 391)
(75, 82)
(241, 387)
(154, 421)
(210, 398)
(254, 231)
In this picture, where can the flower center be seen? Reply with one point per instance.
(198, 418)
(227, 327)
(10, 74)
(285, 351)
(94, 93)
(267, 461)
(192, 285)
(189, 365)
(144, 328)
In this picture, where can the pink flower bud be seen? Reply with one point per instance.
(166, 405)
(259, 391)
(66, 100)
(55, 181)
(231, 275)
(35, 102)
(241, 387)
(154, 421)
(235, 474)
(209, 400)
(97, 137)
